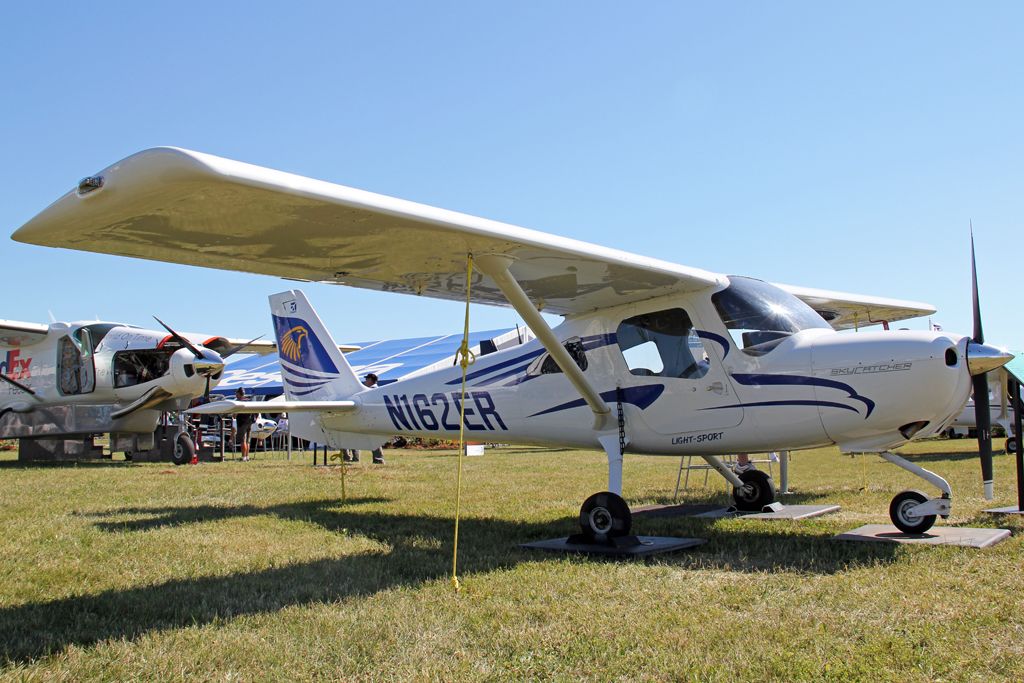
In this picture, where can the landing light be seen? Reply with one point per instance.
(89, 184)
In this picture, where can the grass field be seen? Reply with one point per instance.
(260, 571)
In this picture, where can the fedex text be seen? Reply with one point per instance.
(16, 367)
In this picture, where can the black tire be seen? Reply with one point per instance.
(605, 515)
(1011, 444)
(758, 490)
(904, 521)
(184, 449)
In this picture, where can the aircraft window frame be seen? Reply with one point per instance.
(675, 340)
(546, 365)
(76, 368)
(759, 315)
(98, 331)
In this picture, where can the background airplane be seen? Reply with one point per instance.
(64, 382)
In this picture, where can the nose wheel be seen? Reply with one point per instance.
(912, 512)
(905, 515)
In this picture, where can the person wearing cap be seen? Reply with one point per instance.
(378, 455)
(243, 424)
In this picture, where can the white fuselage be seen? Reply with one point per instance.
(814, 387)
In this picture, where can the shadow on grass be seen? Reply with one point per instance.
(420, 552)
(42, 464)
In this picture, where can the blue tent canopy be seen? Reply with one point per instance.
(389, 359)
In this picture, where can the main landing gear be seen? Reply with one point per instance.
(604, 517)
(757, 491)
(912, 512)
(752, 490)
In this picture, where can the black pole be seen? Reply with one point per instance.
(1017, 408)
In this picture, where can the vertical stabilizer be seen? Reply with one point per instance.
(312, 366)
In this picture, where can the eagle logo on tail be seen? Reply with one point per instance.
(291, 342)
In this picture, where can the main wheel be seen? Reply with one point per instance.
(605, 515)
(757, 491)
(906, 521)
(1011, 444)
(184, 449)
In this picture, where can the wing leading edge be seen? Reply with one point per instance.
(180, 206)
(174, 205)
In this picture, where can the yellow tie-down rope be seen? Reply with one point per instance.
(465, 358)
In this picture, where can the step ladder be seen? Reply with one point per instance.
(687, 465)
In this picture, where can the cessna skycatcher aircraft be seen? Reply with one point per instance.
(652, 357)
(75, 379)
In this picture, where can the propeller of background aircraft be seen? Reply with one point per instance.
(208, 362)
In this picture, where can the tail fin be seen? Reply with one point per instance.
(312, 366)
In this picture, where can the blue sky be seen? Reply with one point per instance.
(836, 146)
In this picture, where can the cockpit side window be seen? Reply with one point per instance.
(759, 315)
(546, 365)
(662, 344)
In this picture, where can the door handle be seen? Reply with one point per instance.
(716, 387)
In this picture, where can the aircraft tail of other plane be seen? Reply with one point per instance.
(312, 367)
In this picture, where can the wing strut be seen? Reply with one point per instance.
(497, 268)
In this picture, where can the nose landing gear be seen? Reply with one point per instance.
(912, 512)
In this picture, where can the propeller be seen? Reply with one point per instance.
(180, 339)
(982, 358)
(982, 414)
(235, 349)
(208, 362)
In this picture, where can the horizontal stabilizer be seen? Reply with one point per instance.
(233, 407)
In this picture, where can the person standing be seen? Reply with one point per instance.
(378, 455)
(243, 422)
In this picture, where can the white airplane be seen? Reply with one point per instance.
(76, 379)
(262, 427)
(999, 414)
(619, 373)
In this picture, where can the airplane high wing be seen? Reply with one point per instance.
(845, 311)
(14, 333)
(180, 206)
(260, 347)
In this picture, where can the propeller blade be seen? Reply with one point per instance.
(236, 349)
(979, 334)
(181, 340)
(206, 394)
(983, 425)
(982, 414)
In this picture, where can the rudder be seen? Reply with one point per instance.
(312, 366)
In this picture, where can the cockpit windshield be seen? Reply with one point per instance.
(759, 315)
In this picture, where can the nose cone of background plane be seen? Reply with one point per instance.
(982, 358)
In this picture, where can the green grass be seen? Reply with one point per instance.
(259, 571)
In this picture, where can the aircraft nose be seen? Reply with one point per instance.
(209, 365)
(982, 358)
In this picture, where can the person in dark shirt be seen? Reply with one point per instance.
(243, 425)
